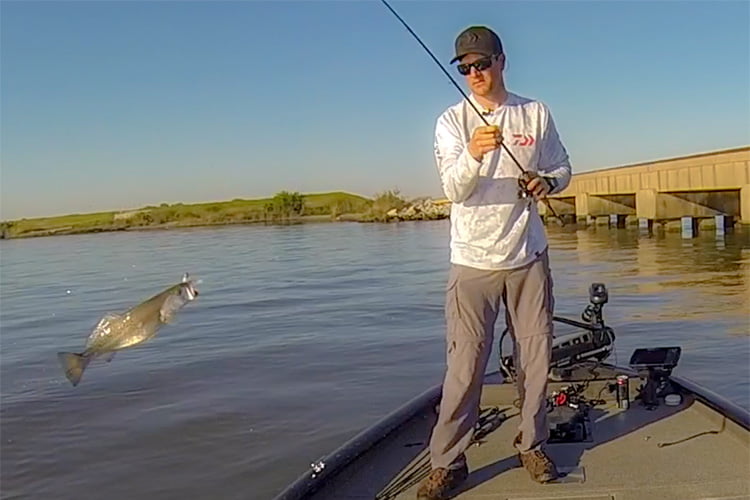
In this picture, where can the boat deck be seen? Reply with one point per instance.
(683, 452)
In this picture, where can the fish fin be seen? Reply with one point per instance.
(73, 364)
(169, 308)
(109, 356)
(185, 277)
(166, 317)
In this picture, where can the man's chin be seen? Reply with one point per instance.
(481, 90)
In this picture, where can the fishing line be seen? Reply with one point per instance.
(442, 68)
(479, 113)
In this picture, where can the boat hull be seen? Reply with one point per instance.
(698, 449)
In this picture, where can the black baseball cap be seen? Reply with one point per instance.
(478, 40)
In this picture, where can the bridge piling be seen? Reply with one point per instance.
(689, 227)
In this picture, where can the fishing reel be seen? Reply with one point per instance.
(523, 185)
(568, 415)
(523, 190)
(571, 395)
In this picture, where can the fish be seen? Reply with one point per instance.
(116, 332)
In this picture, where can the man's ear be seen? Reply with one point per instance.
(501, 61)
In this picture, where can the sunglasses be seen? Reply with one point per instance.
(480, 64)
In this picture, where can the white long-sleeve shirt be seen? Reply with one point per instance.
(492, 227)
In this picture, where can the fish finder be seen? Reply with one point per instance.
(658, 364)
(659, 357)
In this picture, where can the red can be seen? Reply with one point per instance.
(623, 392)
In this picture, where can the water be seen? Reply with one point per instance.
(302, 336)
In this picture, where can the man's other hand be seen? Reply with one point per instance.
(536, 185)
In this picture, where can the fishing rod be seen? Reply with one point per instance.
(524, 172)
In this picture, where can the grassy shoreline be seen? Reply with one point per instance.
(283, 208)
(304, 219)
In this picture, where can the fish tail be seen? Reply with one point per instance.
(73, 364)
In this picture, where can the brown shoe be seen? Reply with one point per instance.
(440, 482)
(539, 465)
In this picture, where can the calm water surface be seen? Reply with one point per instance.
(302, 336)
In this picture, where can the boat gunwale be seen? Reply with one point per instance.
(714, 401)
(309, 483)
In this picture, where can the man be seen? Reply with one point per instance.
(498, 253)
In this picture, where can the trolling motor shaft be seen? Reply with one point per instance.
(525, 175)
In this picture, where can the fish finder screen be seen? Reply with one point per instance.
(663, 356)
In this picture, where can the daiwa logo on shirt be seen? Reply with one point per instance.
(522, 140)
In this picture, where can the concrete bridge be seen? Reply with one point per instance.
(687, 189)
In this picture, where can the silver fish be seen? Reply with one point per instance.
(120, 331)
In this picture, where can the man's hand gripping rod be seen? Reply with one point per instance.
(524, 173)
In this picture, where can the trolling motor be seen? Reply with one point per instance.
(598, 296)
(594, 341)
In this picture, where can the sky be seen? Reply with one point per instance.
(111, 105)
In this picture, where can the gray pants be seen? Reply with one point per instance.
(473, 299)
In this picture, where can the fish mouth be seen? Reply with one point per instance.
(189, 286)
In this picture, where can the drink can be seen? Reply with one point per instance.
(623, 392)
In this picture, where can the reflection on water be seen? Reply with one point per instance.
(302, 336)
(704, 278)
